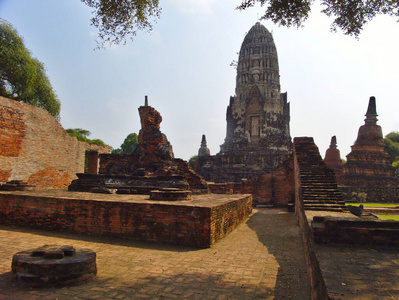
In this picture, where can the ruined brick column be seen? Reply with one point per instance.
(153, 147)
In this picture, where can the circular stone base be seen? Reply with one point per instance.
(170, 195)
(54, 265)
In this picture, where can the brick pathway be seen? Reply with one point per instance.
(262, 259)
(359, 272)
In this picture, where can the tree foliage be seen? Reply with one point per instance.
(83, 135)
(391, 141)
(22, 77)
(349, 15)
(128, 145)
(115, 20)
(193, 160)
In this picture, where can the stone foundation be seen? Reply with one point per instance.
(199, 222)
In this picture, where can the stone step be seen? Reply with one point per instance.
(312, 177)
(321, 191)
(323, 204)
(313, 167)
(315, 195)
(319, 187)
(325, 209)
(321, 195)
(323, 198)
(316, 172)
(317, 178)
(326, 202)
(323, 201)
(318, 183)
(342, 208)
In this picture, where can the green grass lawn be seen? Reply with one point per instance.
(374, 204)
(386, 217)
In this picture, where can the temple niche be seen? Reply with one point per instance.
(258, 133)
(369, 169)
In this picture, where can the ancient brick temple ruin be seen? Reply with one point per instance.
(150, 167)
(369, 169)
(258, 134)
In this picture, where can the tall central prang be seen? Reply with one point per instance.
(258, 110)
(258, 116)
(258, 133)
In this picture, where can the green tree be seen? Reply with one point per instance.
(83, 135)
(22, 77)
(349, 15)
(391, 141)
(115, 20)
(192, 161)
(128, 145)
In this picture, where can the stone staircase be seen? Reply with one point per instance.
(318, 182)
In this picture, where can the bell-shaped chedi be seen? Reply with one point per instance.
(333, 157)
(203, 150)
(368, 164)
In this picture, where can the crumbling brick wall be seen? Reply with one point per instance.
(35, 148)
(275, 188)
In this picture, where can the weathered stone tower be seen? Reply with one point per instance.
(258, 134)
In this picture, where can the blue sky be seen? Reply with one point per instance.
(184, 68)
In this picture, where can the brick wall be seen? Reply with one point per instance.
(276, 187)
(316, 280)
(35, 148)
(356, 231)
(226, 217)
(169, 223)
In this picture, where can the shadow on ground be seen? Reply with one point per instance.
(279, 232)
(101, 239)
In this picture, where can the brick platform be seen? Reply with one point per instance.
(199, 222)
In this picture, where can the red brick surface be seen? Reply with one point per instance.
(5, 175)
(199, 222)
(35, 148)
(276, 187)
(12, 131)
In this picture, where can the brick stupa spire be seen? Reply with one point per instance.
(203, 150)
(333, 157)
